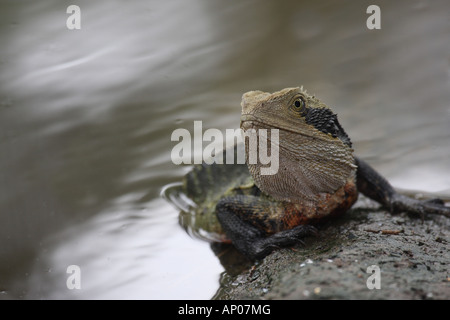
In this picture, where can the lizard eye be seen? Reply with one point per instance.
(299, 105)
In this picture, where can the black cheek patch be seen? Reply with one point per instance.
(326, 121)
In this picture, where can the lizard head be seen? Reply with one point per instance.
(315, 153)
(291, 109)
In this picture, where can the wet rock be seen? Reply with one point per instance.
(413, 257)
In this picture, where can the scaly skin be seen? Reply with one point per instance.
(318, 177)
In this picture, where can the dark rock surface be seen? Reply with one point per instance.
(413, 256)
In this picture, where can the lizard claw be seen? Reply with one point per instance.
(263, 246)
(401, 203)
(436, 201)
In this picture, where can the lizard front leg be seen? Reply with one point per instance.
(373, 185)
(257, 226)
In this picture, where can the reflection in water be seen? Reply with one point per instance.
(86, 118)
(127, 253)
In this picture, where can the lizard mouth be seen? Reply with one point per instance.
(248, 117)
(249, 121)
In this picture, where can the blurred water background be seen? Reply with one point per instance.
(86, 118)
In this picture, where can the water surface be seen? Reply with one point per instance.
(86, 118)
